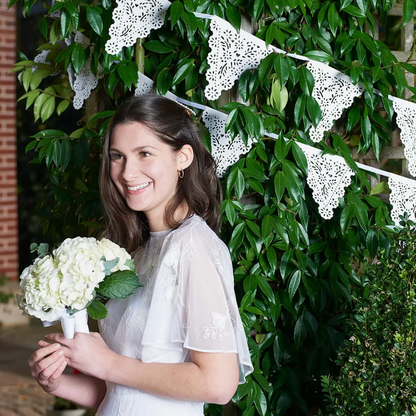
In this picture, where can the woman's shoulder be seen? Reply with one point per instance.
(195, 230)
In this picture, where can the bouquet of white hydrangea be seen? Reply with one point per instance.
(80, 274)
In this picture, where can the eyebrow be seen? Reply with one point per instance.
(136, 149)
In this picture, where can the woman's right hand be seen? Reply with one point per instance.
(47, 364)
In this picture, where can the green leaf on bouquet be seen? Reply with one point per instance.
(71, 311)
(33, 247)
(97, 310)
(42, 249)
(119, 285)
(109, 264)
(130, 264)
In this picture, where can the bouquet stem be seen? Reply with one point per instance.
(78, 322)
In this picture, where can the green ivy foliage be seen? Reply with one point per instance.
(297, 275)
(378, 360)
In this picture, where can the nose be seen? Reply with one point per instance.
(130, 170)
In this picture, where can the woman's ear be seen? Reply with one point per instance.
(185, 157)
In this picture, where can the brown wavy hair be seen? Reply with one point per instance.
(199, 189)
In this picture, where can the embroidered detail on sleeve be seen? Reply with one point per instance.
(217, 330)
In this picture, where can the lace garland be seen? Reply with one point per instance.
(225, 151)
(144, 85)
(231, 54)
(41, 58)
(133, 20)
(327, 177)
(334, 92)
(85, 81)
(402, 199)
(406, 120)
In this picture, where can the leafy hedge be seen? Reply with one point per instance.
(295, 272)
(378, 361)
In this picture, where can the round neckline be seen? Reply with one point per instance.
(159, 233)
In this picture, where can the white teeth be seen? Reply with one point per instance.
(136, 188)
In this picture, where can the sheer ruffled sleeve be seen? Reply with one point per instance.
(193, 305)
(206, 286)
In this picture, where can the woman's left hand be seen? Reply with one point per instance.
(87, 353)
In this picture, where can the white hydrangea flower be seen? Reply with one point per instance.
(68, 277)
(40, 287)
(111, 251)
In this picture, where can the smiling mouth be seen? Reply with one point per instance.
(136, 188)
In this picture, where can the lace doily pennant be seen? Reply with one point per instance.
(402, 199)
(144, 85)
(328, 176)
(85, 81)
(225, 151)
(334, 92)
(133, 20)
(231, 54)
(406, 120)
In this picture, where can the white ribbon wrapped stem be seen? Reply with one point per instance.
(78, 322)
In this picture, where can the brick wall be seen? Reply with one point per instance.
(8, 164)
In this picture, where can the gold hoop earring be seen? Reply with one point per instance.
(181, 173)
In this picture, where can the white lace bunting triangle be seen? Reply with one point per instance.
(328, 176)
(225, 151)
(133, 20)
(334, 92)
(144, 85)
(402, 199)
(231, 54)
(406, 120)
(85, 81)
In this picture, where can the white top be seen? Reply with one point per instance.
(187, 303)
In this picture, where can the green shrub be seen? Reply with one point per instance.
(378, 374)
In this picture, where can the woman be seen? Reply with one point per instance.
(178, 342)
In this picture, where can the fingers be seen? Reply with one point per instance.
(46, 366)
(52, 371)
(59, 338)
(45, 350)
(58, 372)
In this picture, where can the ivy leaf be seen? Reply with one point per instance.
(119, 285)
(314, 110)
(63, 105)
(408, 10)
(306, 80)
(380, 188)
(97, 310)
(78, 57)
(164, 81)
(183, 71)
(128, 72)
(233, 16)
(279, 184)
(158, 47)
(281, 68)
(294, 284)
(257, 9)
(65, 23)
(333, 19)
(95, 20)
(354, 11)
(265, 67)
(300, 331)
(47, 109)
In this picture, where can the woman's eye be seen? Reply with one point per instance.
(145, 154)
(115, 156)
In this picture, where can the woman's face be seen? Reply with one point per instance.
(144, 170)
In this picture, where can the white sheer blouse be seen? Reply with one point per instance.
(187, 303)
